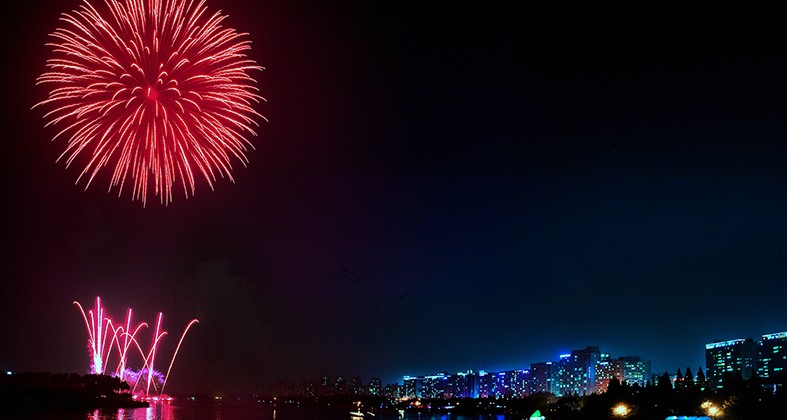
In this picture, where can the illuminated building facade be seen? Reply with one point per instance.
(393, 391)
(581, 372)
(576, 372)
(629, 369)
(729, 357)
(375, 386)
(518, 383)
(633, 370)
(511, 384)
(567, 377)
(486, 384)
(772, 358)
(356, 386)
(542, 377)
(500, 385)
(434, 386)
(462, 385)
(413, 386)
(606, 369)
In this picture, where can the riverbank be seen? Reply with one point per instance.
(46, 391)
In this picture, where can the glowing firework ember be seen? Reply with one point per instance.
(157, 90)
(103, 336)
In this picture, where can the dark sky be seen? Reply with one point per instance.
(440, 187)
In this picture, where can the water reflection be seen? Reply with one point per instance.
(155, 412)
(169, 411)
(200, 411)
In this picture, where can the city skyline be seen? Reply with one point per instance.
(436, 188)
(773, 361)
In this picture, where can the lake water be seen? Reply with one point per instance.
(177, 411)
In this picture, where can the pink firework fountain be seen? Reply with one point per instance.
(104, 337)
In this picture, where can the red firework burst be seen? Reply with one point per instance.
(155, 89)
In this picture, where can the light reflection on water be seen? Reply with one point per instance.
(187, 412)
(218, 412)
(209, 412)
(226, 412)
(157, 412)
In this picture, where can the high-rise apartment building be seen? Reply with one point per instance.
(542, 377)
(519, 383)
(434, 386)
(629, 369)
(375, 386)
(606, 369)
(581, 372)
(486, 384)
(463, 385)
(576, 372)
(413, 386)
(634, 370)
(772, 357)
(729, 357)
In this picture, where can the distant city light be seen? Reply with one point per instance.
(9, 373)
(589, 371)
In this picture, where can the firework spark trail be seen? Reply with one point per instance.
(128, 340)
(94, 325)
(182, 336)
(152, 355)
(101, 331)
(121, 371)
(157, 90)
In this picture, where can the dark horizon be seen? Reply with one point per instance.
(439, 188)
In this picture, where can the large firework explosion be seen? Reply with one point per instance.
(157, 90)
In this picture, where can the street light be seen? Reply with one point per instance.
(710, 409)
(620, 410)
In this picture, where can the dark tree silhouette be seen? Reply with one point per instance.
(665, 383)
(679, 381)
(615, 387)
(702, 384)
(689, 379)
(47, 390)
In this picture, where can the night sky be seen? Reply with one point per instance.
(440, 187)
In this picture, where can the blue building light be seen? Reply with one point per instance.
(724, 343)
(774, 336)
